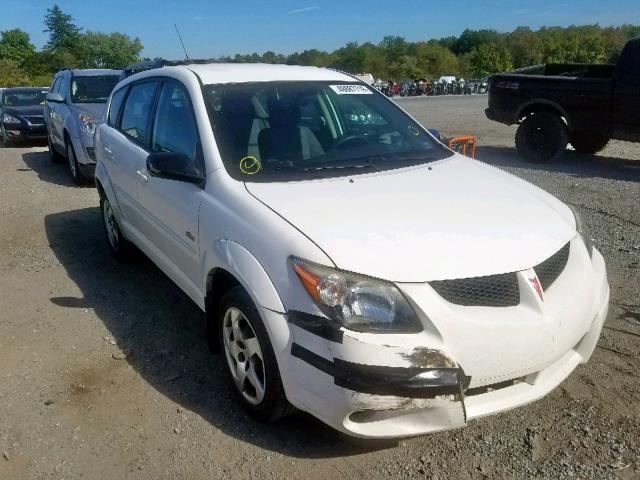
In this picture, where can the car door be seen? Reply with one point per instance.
(170, 206)
(51, 114)
(125, 149)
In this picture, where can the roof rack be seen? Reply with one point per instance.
(161, 62)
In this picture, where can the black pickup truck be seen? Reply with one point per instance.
(558, 104)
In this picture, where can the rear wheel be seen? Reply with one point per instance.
(252, 371)
(589, 143)
(118, 245)
(542, 137)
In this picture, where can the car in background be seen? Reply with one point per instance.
(21, 115)
(347, 262)
(74, 104)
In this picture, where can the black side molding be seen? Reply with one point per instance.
(411, 382)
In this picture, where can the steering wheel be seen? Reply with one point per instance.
(350, 141)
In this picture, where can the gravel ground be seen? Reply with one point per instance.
(105, 372)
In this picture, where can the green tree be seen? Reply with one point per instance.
(350, 58)
(101, 50)
(11, 75)
(15, 45)
(63, 33)
(435, 60)
(488, 59)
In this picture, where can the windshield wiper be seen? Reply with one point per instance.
(341, 167)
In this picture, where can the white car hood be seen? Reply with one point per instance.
(454, 218)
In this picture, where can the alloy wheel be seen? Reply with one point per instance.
(244, 355)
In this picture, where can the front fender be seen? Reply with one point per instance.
(239, 262)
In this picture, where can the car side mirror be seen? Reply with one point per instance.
(174, 166)
(55, 98)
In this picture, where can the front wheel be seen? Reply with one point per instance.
(252, 371)
(54, 156)
(5, 139)
(588, 143)
(76, 175)
(542, 137)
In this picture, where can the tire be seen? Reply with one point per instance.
(6, 143)
(542, 137)
(54, 156)
(251, 370)
(72, 162)
(119, 246)
(589, 143)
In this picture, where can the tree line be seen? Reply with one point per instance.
(475, 53)
(68, 46)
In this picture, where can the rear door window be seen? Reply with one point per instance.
(136, 112)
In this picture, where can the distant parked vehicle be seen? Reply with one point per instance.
(557, 104)
(21, 117)
(74, 104)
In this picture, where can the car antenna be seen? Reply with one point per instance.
(181, 42)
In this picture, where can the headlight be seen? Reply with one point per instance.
(6, 118)
(357, 302)
(87, 123)
(583, 231)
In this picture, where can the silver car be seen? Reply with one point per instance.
(75, 103)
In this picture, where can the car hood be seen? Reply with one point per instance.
(93, 109)
(454, 218)
(20, 111)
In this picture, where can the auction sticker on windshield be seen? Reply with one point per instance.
(351, 90)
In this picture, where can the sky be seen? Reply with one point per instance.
(211, 28)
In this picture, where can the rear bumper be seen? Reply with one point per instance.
(386, 386)
(498, 116)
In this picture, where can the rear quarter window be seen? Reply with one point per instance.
(116, 105)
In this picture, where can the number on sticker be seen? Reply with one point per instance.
(351, 90)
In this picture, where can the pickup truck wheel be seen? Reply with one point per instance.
(252, 371)
(542, 137)
(118, 245)
(588, 144)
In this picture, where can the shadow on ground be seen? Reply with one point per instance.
(56, 173)
(163, 334)
(571, 163)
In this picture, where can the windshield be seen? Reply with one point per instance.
(281, 131)
(92, 89)
(23, 98)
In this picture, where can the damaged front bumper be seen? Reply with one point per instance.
(387, 386)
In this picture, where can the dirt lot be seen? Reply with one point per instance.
(105, 373)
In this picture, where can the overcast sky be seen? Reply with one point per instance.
(211, 28)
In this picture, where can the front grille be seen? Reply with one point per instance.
(34, 119)
(490, 291)
(549, 270)
(91, 153)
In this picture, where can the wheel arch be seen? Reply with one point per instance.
(540, 105)
(236, 266)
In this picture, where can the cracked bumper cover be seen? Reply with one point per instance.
(375, 386)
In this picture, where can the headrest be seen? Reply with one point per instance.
(283, 112)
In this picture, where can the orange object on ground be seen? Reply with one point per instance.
(464, 143)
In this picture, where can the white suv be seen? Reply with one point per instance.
(349, 264)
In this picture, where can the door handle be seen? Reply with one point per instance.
(142, 176)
